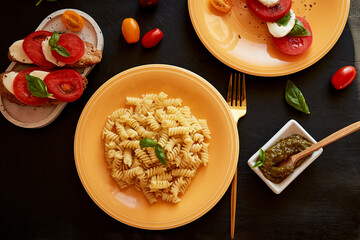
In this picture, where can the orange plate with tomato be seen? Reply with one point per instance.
(241, 40)
(61, 21)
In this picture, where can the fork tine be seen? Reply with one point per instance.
(243, 92)
(238, 92)
(234, 91)
(228, 98)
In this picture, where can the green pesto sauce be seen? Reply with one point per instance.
(279, 153)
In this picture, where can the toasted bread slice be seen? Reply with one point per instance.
(4, 92)
(91, 57)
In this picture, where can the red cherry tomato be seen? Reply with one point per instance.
(73, 44)
(148, 3)
(222, 5)
(152, 38)
(343, 77)
(21, 90)
(269, 14)
(33, 49)
(66, 85)
(294, 45)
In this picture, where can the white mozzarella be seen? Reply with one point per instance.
(8, 81)
(269, 3)
(48, 55)
(280, 31)
(17, 52)
(39, 74)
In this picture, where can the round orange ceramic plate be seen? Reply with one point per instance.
(241, 40)
(210, 183)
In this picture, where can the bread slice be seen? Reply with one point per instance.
(91, 57)
(4, 92)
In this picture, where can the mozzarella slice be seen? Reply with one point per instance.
(279, 31)
(269, 3)
(8, 81)
(39, 74)
(17, 52)
(48, 55)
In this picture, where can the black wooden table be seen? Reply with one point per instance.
(43, 198)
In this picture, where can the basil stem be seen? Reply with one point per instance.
(38, 3)
(295, 98)
(261, 160)
(37, 87)
(160, 153)
(147, 142)
(53, 43)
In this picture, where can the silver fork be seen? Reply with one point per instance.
(236, 98)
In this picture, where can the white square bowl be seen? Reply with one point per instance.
(290, 128)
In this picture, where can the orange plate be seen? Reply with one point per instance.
(241, 40)
(210, 183)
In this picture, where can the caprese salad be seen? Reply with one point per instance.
(290, 34)
(51, 49)
(39, 86)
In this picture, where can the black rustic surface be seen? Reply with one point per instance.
(43, 198)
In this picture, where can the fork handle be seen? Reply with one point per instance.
(233, 204)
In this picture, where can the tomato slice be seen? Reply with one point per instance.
(73, 44)
(66, 85)
(294, 45)
(21, 90)
(72, 20)
(222, 5)
(32, 47)
(269, 14)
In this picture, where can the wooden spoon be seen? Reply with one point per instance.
(331, 138)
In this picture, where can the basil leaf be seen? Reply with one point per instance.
(160, 153)
(37, 87)
(295, 98)
(54, 46)
(62, 51)
(284, 20)
(147, 142)
(298, 30)
(261, 159)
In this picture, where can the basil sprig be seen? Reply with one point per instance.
(298, 30)
(37, 87)
(53, 43)
(261, 160)
(284, 20)
(295, 98)
(159, 151)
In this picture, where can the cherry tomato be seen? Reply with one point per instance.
(343, 77)
(21, 90)
(294, 45)
(72, 20)
(222, 5)
(130, 30)
(66, 85)
(148, 3)
(152, 38)
(269, 14)
(73, 44)
(33, 49)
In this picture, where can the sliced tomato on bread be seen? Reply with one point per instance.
(269, 14)
(73, 44)
(33, 49)
(21, 90)
(66, 85)
(294, 45)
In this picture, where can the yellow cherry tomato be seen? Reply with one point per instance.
(72, 20)
(222, 5)
(130, 30)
